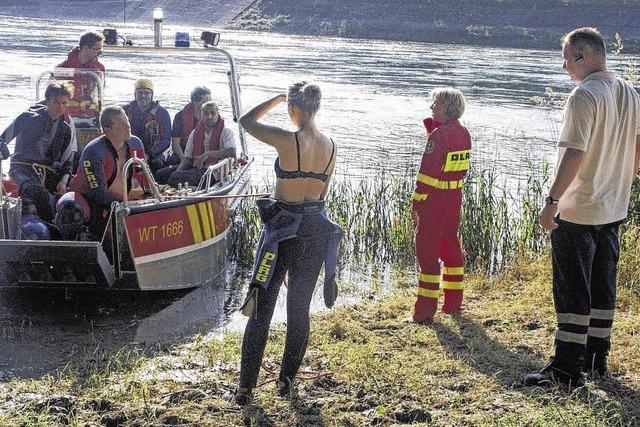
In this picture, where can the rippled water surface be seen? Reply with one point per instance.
(375, 92)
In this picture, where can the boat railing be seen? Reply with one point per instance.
(135, 160)
(70, 72)
(217, 173)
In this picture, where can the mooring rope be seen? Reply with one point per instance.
(39, 169)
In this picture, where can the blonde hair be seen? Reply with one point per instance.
(305, 96)
(452, 99)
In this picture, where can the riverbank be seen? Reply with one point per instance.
(371, 368)
(515, 23)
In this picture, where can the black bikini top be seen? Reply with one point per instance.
(283, 174)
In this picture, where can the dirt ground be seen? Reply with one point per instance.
(41, 331)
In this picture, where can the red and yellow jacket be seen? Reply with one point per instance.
(445, 161)
(84, 102)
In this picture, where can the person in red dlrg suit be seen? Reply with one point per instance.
(437, 202)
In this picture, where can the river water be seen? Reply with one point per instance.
(375, 97)
(375, 92)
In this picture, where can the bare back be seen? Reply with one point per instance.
(317, 155)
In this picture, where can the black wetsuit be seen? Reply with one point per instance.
(314, 242)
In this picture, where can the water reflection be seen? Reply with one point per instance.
(42, 331)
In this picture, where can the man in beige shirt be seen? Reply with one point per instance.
(598, 158)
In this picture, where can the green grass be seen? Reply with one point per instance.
(376, 369)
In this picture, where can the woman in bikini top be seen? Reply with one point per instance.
(306, 157)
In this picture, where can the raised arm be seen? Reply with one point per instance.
(271, 135)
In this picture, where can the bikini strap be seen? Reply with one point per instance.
(333, 150)
(297, 149)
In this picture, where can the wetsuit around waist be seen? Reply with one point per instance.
(282, 221)
(297, 238)
(283, 174)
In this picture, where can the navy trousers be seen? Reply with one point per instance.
(585, 259)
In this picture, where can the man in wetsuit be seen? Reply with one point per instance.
(43, 157)
(150, 122)
(85, 102)
(99, 181)
(208, 143)
(183, 123)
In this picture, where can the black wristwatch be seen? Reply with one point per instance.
(550, 200)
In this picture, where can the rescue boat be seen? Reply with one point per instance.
(164, 242)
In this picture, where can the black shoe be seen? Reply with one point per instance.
(244, 396)
(595, 364)
(552, 375)
(283, 386)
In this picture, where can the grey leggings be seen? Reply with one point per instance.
(302, 256)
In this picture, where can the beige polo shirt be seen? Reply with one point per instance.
(601, 118)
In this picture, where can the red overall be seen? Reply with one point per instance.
(436, 202)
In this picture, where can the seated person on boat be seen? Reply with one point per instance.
(208, 143)
(150, 122)
(85, 102)
(99, 181)
(184, 122)
(42, 160)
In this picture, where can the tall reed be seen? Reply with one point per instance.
(500, 221)
(497, 221)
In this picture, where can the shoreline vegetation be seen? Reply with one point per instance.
(365, 365)
(494, 23)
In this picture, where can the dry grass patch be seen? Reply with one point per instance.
(372, 369)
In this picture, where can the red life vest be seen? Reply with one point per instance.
(82, 104)
(214, 142)
(188, 123)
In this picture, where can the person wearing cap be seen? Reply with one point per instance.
(150, 122)
(85, 102)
